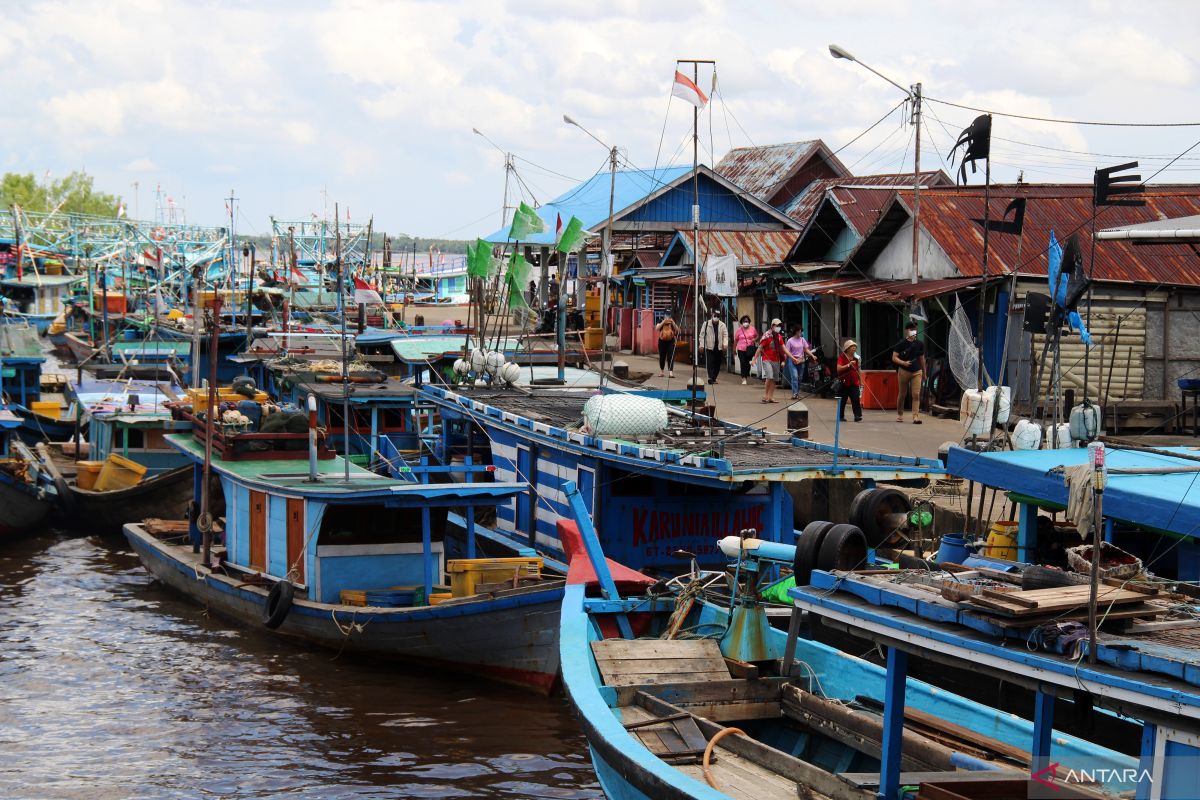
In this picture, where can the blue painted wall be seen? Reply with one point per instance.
(277, 536)
(717, 204)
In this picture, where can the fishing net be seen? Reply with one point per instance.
(962, 355)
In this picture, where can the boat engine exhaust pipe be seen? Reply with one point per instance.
(312, 438)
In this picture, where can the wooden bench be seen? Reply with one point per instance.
(1161, 415)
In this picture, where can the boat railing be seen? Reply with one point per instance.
(237, 443)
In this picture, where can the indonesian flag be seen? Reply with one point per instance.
(120, 209)
(685, 90)
(298, 278)
(558, 227)
(364, 295)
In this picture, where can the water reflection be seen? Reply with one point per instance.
(111, 686)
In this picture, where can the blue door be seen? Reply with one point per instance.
(526, 501)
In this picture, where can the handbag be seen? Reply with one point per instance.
(839, 387)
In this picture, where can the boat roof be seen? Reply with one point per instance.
(289, 477)
(1165, 502)
(360, 393)
(151, 347)
(35, 280)
(20, 341)
(112, 398)
(740, 454)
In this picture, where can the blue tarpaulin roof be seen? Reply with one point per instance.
(589, 200)
(1163, 502)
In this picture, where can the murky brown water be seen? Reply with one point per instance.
(111, 686)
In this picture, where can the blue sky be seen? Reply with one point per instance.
(295, 106)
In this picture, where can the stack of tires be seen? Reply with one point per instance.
(829, 545)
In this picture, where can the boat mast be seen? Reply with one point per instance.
(695, 227)
(341, 272)
(205, 520)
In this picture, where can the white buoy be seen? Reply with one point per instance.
(1027, 435)
(494, 361)
(478, 360)
(976, 411)
(624, 415)
(462, 366)
(510, 372)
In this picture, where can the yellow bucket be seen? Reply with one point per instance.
(1002, 540)
(85, 478)
(119, 472)
(466, 573)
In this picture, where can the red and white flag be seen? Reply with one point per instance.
(364, 294)
(685, 90)
(298, 278)
(558, 228)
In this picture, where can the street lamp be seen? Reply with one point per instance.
(914, 96)
(605, 238)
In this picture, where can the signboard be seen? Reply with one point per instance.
(720, 275)
(650, 529)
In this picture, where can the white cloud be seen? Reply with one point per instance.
(140, 165)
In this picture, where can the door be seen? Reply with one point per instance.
(258, 531)
(527, 500)
(295, 537)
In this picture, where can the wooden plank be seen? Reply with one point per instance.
(648, 678)
(656, 648)
(728, 690)
(741, 669)
(1137, 626)
(1139, 610)
(870, 780)
(1011, 597)
(623, 666)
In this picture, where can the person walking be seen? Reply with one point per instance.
(909, 358)
(771, 352)
(715, 338)
(799, 351)
(849, 372)
(668, 331)
(745, 341)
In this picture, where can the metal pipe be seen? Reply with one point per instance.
(312, 438)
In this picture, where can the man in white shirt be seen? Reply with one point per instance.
(715, 338)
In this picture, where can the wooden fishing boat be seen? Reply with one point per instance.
(340, 557)
(39, 298)
(704, 699)
(27, 492)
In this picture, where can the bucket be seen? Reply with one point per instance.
(85, 478)
(953, 549)
(119, 472)
(1002, 540)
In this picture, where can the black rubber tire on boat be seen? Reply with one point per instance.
(875, 510)
(808, 545)
(279, 603)
(844, 547)
(912, 562)
(856, 506)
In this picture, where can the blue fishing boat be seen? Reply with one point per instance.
(704, 699)
(684, 484)
(335, 555)
(127, 421)
(39, 298)
(27, 491)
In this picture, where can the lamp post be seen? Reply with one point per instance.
(914, 96)
(508, 167)
(605, 241)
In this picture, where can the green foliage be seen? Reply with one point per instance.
(74, 193)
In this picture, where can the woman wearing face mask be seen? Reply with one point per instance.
(771, 353)
(745, 340)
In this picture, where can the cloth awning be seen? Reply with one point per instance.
(880, 291)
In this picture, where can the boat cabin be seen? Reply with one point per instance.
(130, 419)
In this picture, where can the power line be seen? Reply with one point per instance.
(1067, 121)
(871, 128)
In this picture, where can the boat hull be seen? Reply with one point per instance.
(164, 495)
(36, 428)
(25, 508)
(511, 638)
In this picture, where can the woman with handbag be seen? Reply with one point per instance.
(745, 341)
(848, 385)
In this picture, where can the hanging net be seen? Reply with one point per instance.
(963, 358)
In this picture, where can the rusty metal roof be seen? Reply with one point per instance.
(803, 205)
(948, 214)
(878, 291)
(762, 170)
(752, 248)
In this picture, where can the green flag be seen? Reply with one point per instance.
(572, 236)
(515, 279)
(479, 259)
(525, 221)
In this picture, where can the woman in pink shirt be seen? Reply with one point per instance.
(745, 340)
(798, 352)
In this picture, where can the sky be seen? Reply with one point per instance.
(293, 107)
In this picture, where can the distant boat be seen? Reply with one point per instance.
(27, 491)
(39, 298)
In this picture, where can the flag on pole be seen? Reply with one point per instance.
(558, 231)
(686, 90)
(479, 259)
(120, 209)
(364, 294)
(515, 279)
(525, 221)
(571, 238)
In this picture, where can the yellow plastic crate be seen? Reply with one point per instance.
(119, 472)
(467, 573)
(85, 478)
(199, 397)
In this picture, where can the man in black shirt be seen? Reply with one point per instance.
(909, 358)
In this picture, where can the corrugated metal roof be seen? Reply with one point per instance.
(949, 214)
(878, 291)
(760, 170)
(803, 205)
(752, 248)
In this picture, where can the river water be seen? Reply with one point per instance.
(112, 686)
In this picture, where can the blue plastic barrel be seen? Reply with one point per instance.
(953, 549)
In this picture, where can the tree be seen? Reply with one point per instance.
(74, 193)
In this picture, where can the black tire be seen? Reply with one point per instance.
(856, 507)
(844, 547)
(808, 545)
(1036, 576)
(279, 603)
(875, 510)
(912, 562)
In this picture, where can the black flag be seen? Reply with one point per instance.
(1004, 224)
(1118, 190)
(976, 142)
(1072, 267)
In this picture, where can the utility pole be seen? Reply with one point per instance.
(916, 236)
(695, 227)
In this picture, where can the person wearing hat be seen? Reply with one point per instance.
(771, 352)
(909, 358)
(715, 336)
(849, 373)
